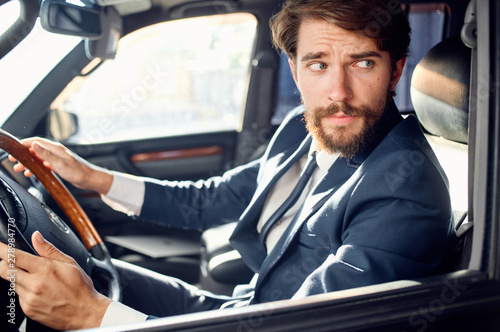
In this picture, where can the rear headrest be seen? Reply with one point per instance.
(440, 90)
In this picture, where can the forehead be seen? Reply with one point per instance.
(322, 36)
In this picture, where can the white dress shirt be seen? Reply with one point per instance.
(284, 187)
(127, 195)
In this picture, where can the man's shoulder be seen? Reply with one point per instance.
(408, 134)
(406, 141)
(294, 117)
(292, 130)
(300, 109)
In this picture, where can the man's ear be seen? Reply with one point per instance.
(398, 71)
(294, 72)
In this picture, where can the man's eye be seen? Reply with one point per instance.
(318, 66)
(365, 64)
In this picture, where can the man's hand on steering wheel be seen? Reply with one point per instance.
(67, 165)
(53, 289)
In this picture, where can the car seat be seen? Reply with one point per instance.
(440, 92)
(221, 267)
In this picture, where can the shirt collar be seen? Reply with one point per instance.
(324, 159)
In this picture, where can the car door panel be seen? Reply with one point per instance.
(191, 157)
(174, 158)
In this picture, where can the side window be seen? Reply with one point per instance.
(173, 78)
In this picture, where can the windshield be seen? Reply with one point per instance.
(26, 65)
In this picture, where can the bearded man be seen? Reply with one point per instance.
(352, 197)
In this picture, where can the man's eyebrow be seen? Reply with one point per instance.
(369, 54)
(355, 56)
(313, 56)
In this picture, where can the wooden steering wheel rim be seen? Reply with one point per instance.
(55, 187)
(83, 226)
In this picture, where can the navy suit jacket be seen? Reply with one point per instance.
(383, 215)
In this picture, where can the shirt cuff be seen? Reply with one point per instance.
(126, 194)
(119, 314)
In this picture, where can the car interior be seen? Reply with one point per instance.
(131, 93)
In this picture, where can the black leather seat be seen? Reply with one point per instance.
(221, 266)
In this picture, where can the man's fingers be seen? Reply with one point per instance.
(27, 143)
(11, 158)
(18, 258)
(48, 250)
(29, 262)
(10, 267)
(47, 150)
(41, 150)
(10, 272)
(19, 168)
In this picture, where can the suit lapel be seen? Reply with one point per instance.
(337, 175)
(245, 237)
(278, 165)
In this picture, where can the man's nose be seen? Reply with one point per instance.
(340, 87)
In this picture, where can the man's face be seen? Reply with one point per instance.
(344, 80)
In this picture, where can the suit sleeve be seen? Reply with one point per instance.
(202, 204)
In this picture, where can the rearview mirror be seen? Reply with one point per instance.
(106, 46)
(60, 16)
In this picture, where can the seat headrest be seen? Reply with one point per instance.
(440, 90)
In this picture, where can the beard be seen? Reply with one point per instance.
(344, 139)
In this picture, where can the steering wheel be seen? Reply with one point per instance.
(26, 214)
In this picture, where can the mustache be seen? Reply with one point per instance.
(347, 109)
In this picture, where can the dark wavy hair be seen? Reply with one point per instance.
(382, 20)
